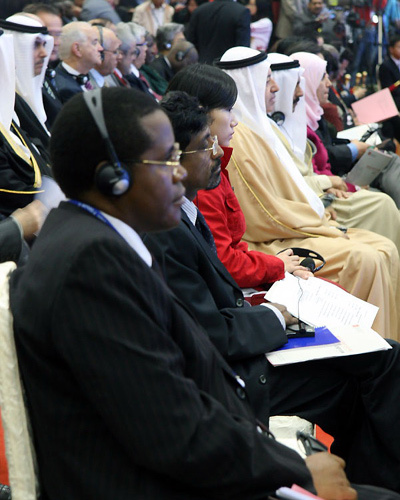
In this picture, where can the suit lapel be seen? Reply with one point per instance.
(216, 263)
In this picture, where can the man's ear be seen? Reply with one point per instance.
(76, 50)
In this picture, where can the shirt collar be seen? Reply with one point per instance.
(131, 237)
(190, 210)
(69, 69)
(135, 71)
(99, 79)
(153, 7)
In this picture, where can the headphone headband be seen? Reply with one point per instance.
(306, 253)
(112, 178)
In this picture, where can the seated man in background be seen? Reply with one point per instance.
(51, 18)
(134, 77)
(21, 164)
(166, 36)
(109, 57)
(32, 48)
(79, 51)
(93, 348)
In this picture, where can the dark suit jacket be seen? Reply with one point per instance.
(161, 66)
(66, 84)
(128, 398)
(389, 73)
(339, 154)
(241, 334)
(216, 27)
(51, 101)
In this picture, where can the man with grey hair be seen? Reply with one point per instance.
(166, 36)
(128, 53)
(109, 57)
(79, 52)
(131, 72)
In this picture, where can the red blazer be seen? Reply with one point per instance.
(225, 218)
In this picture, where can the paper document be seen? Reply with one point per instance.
(295, 493)
(353, 340)
(359, 131)
(320, 303)
(368, 167)
(375, 107)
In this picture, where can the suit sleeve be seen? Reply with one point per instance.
(238, 332)
(242, 30)
(115, 330)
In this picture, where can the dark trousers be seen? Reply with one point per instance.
(356, 399)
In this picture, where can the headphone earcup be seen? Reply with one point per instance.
(112, 179)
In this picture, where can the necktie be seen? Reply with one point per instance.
(201, 226)
(88, 85)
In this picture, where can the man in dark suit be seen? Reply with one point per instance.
(135, 385)
(216, 27)
(389, 76)
(119, 376)
(317, 391)
(79, 51)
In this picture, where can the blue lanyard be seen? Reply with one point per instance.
(93, 211)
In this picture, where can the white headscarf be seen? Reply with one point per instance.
(7, 95)
(29, 86)
(314, 70)
(7, 80)
(251, 110)
(295, 124)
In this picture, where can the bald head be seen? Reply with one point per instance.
(182, 54)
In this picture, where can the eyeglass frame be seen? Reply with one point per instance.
(168, 163)
(213, 148)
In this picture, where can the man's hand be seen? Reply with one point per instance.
(341, 195)
(31, 218)
(329, 478)
(338, 183)
(290, 320)
(361, 147)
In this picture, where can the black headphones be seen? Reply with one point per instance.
(181, 54)
(100, 28)
(112, 178)
(309, 256)
(50, 73)
(278, 117)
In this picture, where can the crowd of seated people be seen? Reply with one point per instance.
(188, 182)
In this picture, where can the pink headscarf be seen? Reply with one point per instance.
(314, 70)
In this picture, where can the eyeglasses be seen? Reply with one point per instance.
(141, 44)
(213, 148)
(174, 162)
(114, 52)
